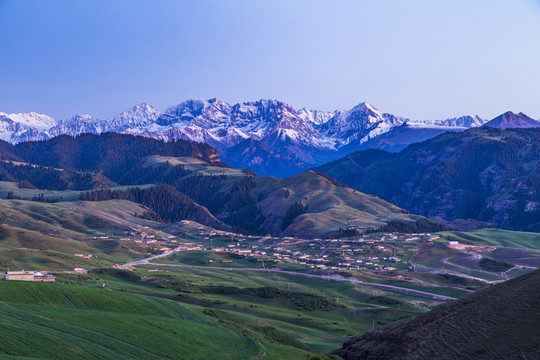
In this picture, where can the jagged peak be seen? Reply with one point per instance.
(189, 105)
(365, 106)
(83, 117)
(142, 106)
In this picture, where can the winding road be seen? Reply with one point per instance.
(147, 261)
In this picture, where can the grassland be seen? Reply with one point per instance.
(263, 315)
(82, 322)
(194, 165)
(336, 310)
(46, 236)
(496, 237)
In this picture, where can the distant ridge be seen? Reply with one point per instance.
(510, 120)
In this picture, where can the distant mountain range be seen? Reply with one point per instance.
(486, 174)
(267, 136)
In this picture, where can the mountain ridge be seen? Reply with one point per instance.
(252, 119)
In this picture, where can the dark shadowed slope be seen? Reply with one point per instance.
(262, 159)
(500, 322)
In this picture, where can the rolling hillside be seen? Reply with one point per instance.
(87, 322)
(323, 206)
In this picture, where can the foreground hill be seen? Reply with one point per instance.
(487, 174)
(86, 322)
(500, 322)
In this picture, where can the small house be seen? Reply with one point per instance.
(30, 276)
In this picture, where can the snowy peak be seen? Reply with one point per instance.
(81, 118)
(216, 113)
(257, 117)
(141, 115)
(465, 122)
(189, 108)
(356, 126)
(315, 117)
(512, 120)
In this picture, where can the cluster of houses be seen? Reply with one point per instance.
(363, 253)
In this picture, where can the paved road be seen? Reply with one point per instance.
(148, 259)
(296, 273)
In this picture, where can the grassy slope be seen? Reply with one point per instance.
(46, 236)
(497, 237)
(321, 330)
(500, 322)
(330, 206)
(39, 320)
(194, 165)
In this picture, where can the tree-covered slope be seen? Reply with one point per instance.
(112, 154)
(486, 174)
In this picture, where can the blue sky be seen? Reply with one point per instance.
(421, 59)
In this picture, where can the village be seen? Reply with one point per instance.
(363, 253)
(386, 252)
(380, 252)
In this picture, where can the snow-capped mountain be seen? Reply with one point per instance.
(32, 120)
(307, 137)
(135, 119)
(316, 117)
(28, 128)
(354, 127)
(78, 124)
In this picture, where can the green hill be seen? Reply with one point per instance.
(79, 322)
(500, 322)
(322, 207)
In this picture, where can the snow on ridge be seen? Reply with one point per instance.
(32, 119)
(223, 125)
